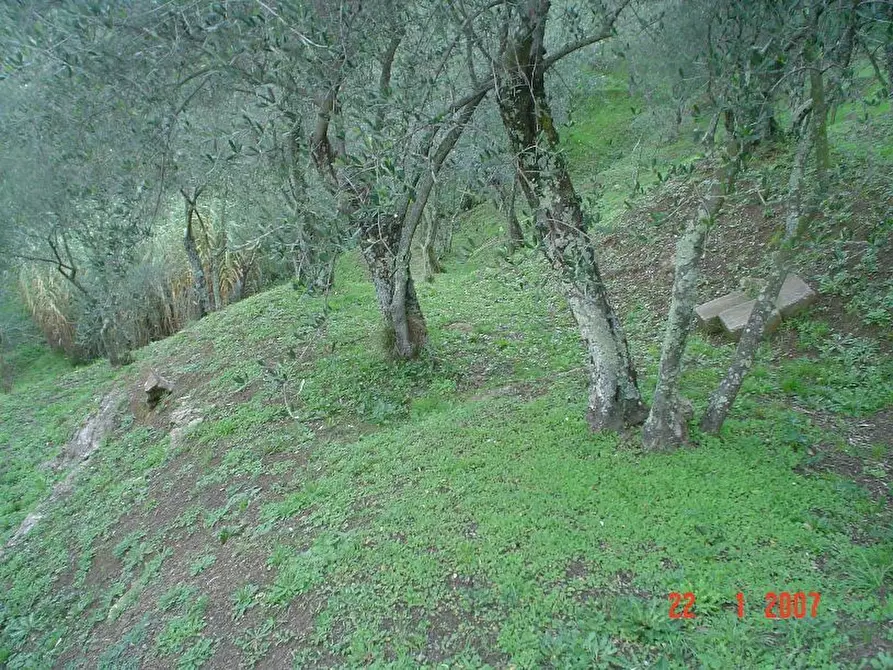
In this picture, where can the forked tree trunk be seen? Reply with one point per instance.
(667, 423)
(199, 287)
(410, 333)
(385, 239)
(614, 398)
(407, 323)
(722, 399)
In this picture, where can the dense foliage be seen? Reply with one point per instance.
(162, 161)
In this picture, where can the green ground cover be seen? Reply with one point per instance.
(333, 508)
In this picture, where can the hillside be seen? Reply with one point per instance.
(300, 500)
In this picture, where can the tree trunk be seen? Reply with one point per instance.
(410, 333)
(211, 269)
(614, 398)
(667, 423)
(889, 59)
(888, 50)
(429, 253)
(215, 282)
(114, 343)
(321, 149)
(238, 289)
(709, 138)
(878, 74)
(406, 326)
(724, 396)
(819, 125)
(384, 239)
(218, 257)
(199, 289)
(515, 234)
(325, 277)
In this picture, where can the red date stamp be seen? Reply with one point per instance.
(778, 605)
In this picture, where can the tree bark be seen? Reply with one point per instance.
(218, 257)
(410, 332)
(386, 238)
(819, 125)
(667, 423)
(320, 247)
(888, 51)
(888, 57)
(513, 227)
(199, 288)
(614, 398)
(377, 249)
(722, 399)
(238, 288)
(879, 75)
(429, 252)
(321, 148)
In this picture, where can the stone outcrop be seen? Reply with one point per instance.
(156, 387)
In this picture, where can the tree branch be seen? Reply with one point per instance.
(568, 49)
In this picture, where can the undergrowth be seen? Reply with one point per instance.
(334, 508)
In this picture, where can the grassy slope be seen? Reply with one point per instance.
(454, 509)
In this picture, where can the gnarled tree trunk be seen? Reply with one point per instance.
(724, 396)
(406, 322)
(614, 398)
(409, 331)
(667, 423)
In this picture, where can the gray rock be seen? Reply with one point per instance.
(79, 449)
(156, 387)
(735, 319)
(708, 313)
(795, 296)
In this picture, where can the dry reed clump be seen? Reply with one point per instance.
(152, 300)
(47, 298)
